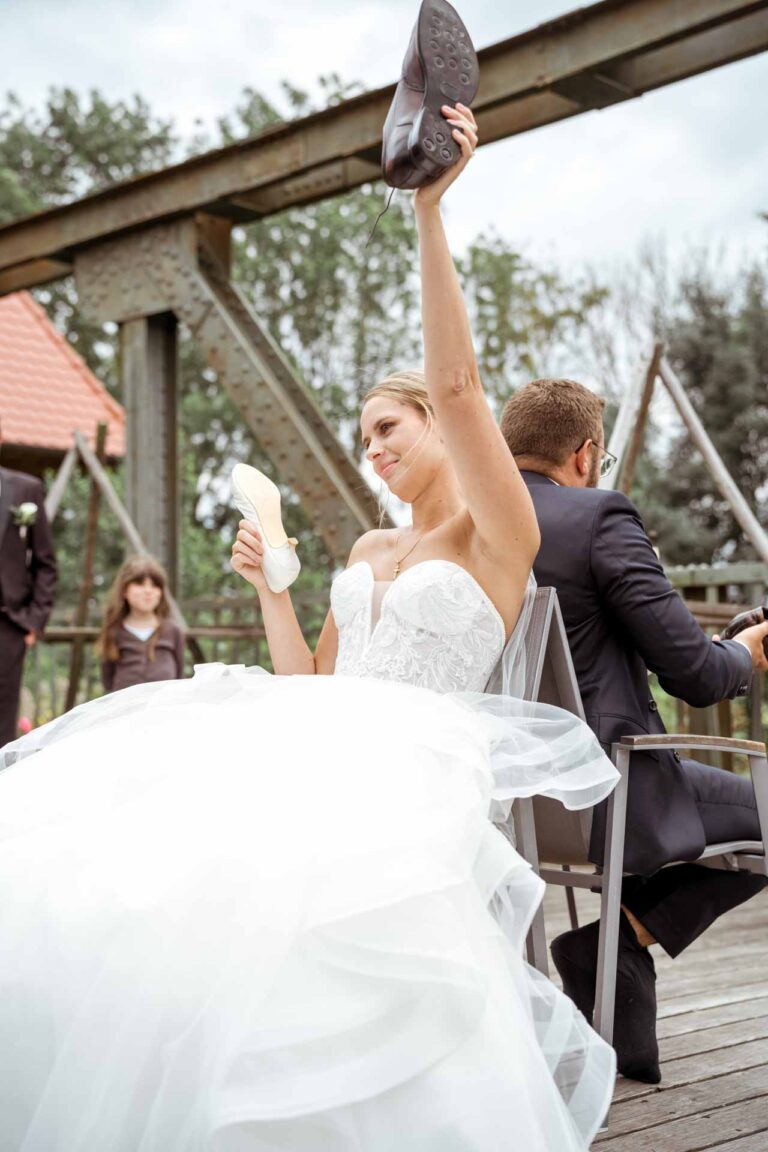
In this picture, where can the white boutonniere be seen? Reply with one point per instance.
(24, 517)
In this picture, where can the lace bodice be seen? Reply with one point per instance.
(437, 628)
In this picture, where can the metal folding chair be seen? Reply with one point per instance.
(547, 832)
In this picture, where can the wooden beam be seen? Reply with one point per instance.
(588, 59)
(31, 273)
(702, 575)
(638, 432)
(58, 488)
(622, 429)
(127, 527)
(111, 497)
(753, 530)
(149, 378)
(86, 580)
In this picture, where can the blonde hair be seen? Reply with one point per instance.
(407, 387)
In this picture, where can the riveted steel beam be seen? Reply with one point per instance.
(149, 376)
(587, 59)
(181, 268)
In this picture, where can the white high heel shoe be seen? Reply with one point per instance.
(258, 499)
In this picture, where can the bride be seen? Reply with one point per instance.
(251, 913)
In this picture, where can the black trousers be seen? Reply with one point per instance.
(12, 651)
(677, 904)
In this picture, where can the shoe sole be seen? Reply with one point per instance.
(452, 76)
(258, 499)
(746, 620)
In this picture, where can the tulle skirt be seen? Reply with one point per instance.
(246, 913)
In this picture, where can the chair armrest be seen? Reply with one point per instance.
(672, 741)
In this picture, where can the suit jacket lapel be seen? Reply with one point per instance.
(7, 500)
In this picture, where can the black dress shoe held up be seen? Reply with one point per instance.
(746, 620)
(440, 67)
(634, 1030)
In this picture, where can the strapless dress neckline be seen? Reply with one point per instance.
(422, 564)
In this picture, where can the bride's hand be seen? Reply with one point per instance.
(247, 553)
(464, 132)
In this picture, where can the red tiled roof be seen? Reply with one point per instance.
(46, 389)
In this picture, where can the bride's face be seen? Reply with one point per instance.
(401, 444)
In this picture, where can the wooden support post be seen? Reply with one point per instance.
(148, 354)
(753, 530)
(61, 480)
(98, 472)
(86, 582)
(96, 468)
(636, 440)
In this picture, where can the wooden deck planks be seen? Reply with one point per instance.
(666, 1104)
(713, 1040)
(699, 1001)
(747, 1117)
(697, 1020)
(756, 1142)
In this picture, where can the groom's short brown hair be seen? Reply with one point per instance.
(549, 419)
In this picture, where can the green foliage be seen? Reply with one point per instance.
(716, 333)
(344, 307)
(71, 148)
(519, 312)
(74, 147)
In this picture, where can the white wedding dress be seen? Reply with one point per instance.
(250, 913)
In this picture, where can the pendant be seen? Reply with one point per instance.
(396, 572)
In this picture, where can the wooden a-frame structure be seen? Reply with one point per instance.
(101, 487)
(627, 438)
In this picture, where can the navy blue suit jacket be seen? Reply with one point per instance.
(623, 618)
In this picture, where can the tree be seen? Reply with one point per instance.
(525, 318)
(71, 147)
(345, 308)
(715, 329)
(718, 344)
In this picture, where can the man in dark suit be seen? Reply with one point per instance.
(27, 584)
(623, 618)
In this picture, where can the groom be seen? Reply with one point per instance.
(27, 583)
(623, 618)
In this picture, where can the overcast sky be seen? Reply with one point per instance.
(689, 162)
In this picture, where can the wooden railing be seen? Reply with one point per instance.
(714, 596)
(224, 628)
(230, 629)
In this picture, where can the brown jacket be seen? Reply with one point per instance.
(134, 666)
(27, 562)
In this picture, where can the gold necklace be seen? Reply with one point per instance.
(398, 563)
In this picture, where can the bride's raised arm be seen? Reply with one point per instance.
(497, 499)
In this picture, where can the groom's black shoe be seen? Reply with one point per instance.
(634, 1031)
(746, 620)
(440, 67)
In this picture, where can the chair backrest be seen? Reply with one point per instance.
(534, 646)
(562, 836)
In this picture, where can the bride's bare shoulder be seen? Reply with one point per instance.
(372, 546)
